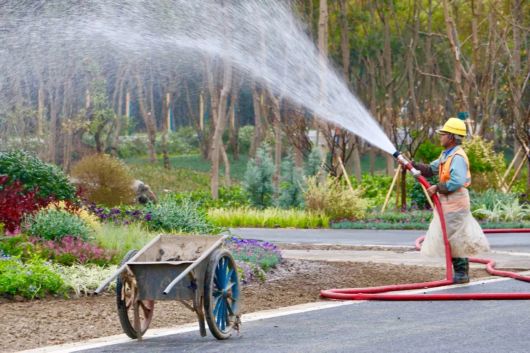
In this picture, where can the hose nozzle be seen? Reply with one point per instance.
(406, 164)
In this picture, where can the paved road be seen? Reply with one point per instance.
(499, 242)
(398, 327)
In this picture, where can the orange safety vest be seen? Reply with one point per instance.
(444, 169)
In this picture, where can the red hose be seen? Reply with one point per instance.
(381, 293)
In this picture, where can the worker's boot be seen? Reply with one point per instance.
(461, 270)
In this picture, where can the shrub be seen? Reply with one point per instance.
(34, 278)
(486, 165)
(428, 152)
(258, 178)
(132, 146)
(246, 133)
(334, 199)
(264, 254)
(81, 211)
(51, 224)
(104, 180)
(183, 217)
(373, 187)
(291, 187)
(71, 250)
(182, 141)
(34, 175)
(269, 218)
(15, 203)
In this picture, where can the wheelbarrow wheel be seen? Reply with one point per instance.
(129, 307)
(221, 294)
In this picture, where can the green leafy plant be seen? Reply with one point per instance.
(258, 178)
(509, 212)
(53, 224)
(229, 197)
(35, 278)
(120, 239)
(35, 175)
(182, 217)
(488, 199)
(104, 180)
(334, 199)
(17, 246)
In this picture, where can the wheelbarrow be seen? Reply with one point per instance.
(186, 268)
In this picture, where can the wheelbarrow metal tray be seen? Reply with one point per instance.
(154, 277)
(165, 259)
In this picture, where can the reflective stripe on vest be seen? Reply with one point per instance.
(444, 169)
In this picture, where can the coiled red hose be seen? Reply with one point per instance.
(382, 292)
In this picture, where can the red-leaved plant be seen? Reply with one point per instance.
(15, 203)
(70, 250)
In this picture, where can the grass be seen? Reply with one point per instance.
(195, 162)
(267, 218)
(163, 181)
(121, 239)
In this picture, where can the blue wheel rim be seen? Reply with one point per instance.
(225, 294)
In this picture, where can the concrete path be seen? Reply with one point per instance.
(508, 250)
(504, 242)
(366, 327)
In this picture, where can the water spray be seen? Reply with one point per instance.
(382, 292)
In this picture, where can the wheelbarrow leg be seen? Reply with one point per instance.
(137, 323)
(198, 307)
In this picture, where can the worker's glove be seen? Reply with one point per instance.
(425, 169)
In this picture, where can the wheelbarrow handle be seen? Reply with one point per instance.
(194, 264)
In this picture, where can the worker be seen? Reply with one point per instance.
(463, 232)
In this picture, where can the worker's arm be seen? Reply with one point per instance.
(427, 170)
(458, 176)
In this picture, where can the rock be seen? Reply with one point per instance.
(143, 193)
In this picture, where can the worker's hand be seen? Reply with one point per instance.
(432, 190)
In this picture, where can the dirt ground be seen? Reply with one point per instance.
(26, 325)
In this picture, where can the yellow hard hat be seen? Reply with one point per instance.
(454, 126)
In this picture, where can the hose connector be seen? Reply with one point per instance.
(406, 164)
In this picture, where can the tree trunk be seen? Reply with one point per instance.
(234, 126)
(256, 102)
(40, 110)
(277, 143)
(165, 128)
(148, 118)
(217, 141)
